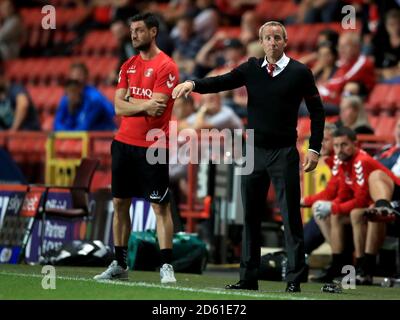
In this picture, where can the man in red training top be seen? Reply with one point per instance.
(370, 182)
(143, 100)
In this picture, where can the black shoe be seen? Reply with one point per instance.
(293, 287)
(327, 275)
(243, 285)
(364, 280)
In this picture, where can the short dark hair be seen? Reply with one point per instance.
(330, 46)
(72, 83)
(331, 35)
(392, 14)
(149, 19)
(80, 65)
(345, 131)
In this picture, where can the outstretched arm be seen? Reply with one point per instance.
(228, 81)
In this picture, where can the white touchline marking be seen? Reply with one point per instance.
(152, 285)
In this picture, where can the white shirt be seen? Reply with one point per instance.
(279, 65)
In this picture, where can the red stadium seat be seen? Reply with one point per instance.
(385, 126)
(99, 43)
(373, 120)
(108, 92)
(392, 100)
(377, 98)
(46, 98)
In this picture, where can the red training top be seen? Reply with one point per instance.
(143, 78)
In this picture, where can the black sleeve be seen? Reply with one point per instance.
(316, 110)
(228, 81)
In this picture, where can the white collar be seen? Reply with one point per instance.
(280, 64)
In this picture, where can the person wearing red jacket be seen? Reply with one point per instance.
(332, 188)
(323, 219)
(352, 66)
(371, 183)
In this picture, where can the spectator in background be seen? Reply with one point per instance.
(213, 114)
(386, 48)
(233, 10)
(249, 25)
(79, 71)
(187, 44)
(390, 154)
(352, 115)
(177, 9)
(355, 88)
(313, 235)
(232, 52)
(82, 110)
(324, 36)
(124, 9)
(352, 66)
(218, 55)
(314, 11)
(11, 31)
(17, 111)
(120, 30)
(316, 230)
(325, 67)
(205, 19)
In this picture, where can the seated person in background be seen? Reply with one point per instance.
(370, 181)
(249, 26)
(325, 66)
(213, 115)
(386, 48)
(187, 44)
(328, 36)
(355, 88)
(323, 70)
(183, 108)
(11, 31)
(352, 66)
(121, 33)
(390, 155)
(318, 228)
(17, 111)
(352, 114)
(81, 110)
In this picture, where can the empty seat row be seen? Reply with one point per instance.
(54, 70)
(384, 97)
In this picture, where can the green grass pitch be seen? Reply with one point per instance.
(25, 282)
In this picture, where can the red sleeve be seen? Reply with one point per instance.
(123, 77)
(167, 79)
(361, 199)
(329, 193)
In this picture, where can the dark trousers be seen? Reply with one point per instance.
(281, 167)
